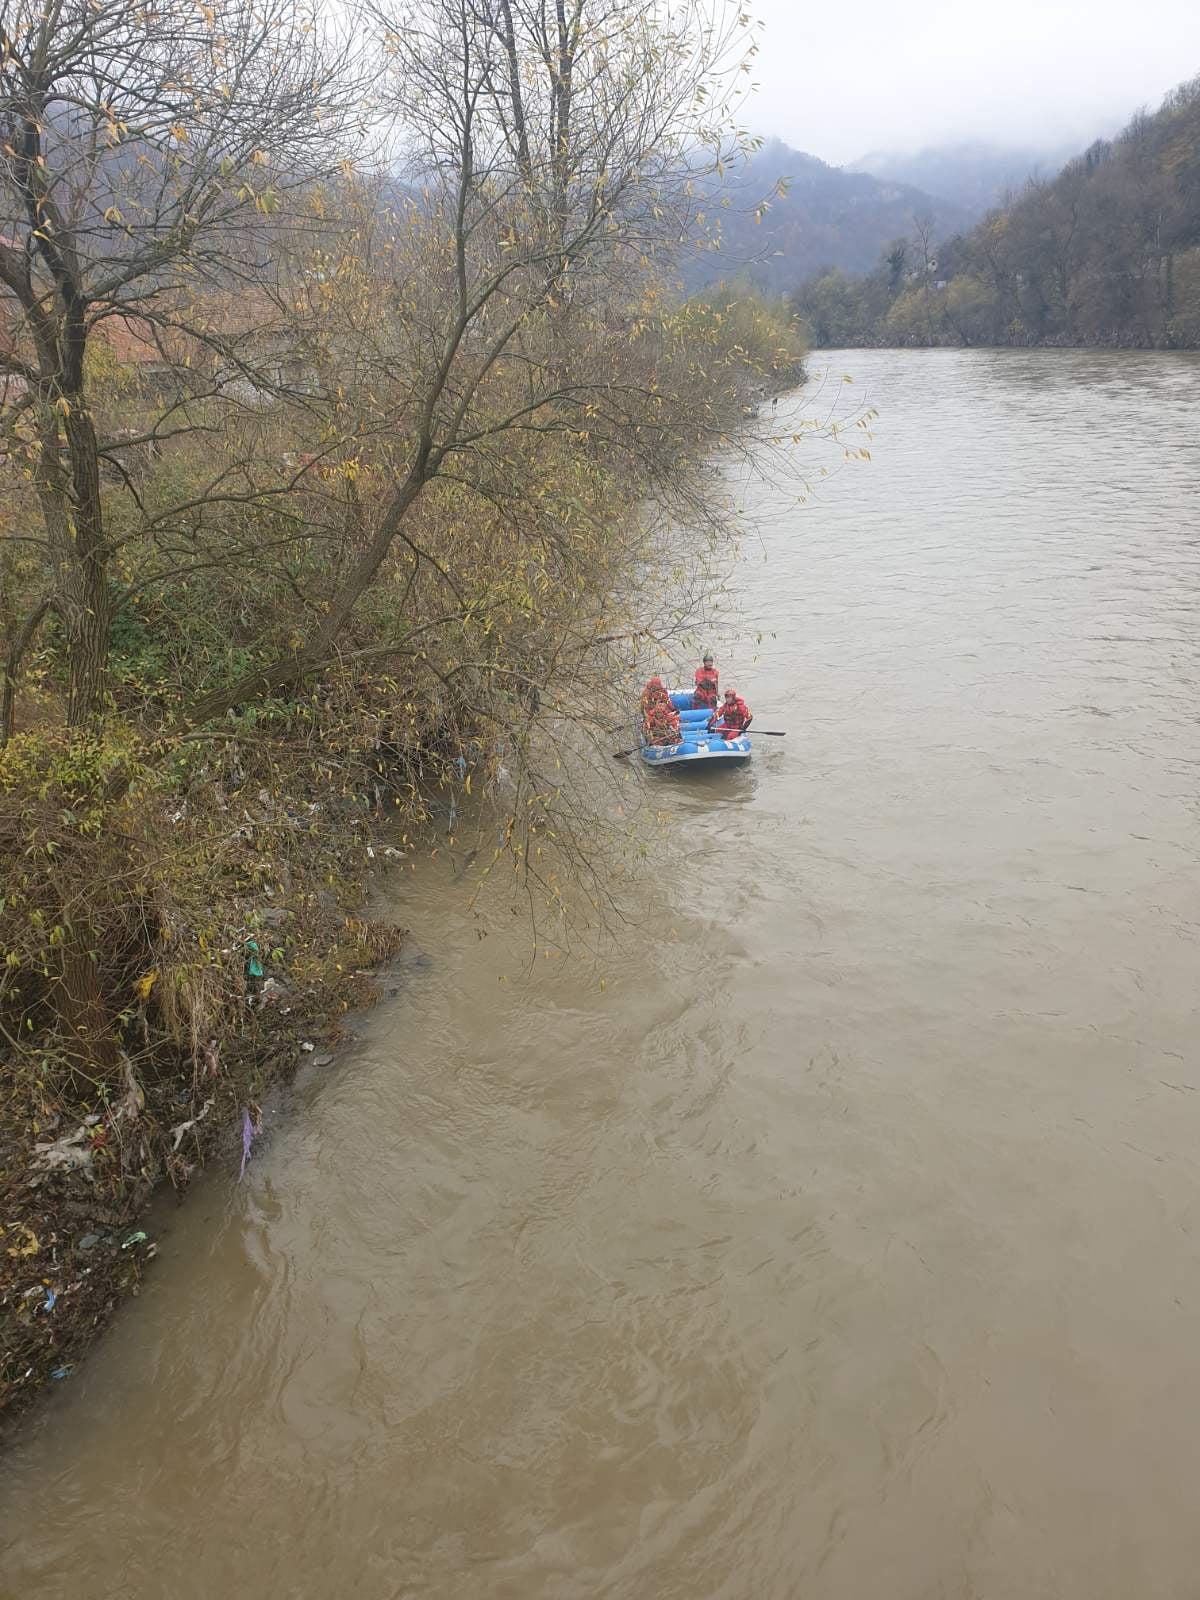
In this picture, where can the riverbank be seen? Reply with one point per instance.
(78, 1172)
(177, 942)
(331, 490)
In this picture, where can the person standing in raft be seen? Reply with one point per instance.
(706, 682)
(733, 719)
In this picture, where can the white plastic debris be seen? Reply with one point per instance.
(180, 1128)
(68, 1154)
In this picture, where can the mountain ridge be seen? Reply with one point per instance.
(826, 216)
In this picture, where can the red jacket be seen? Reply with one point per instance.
(652, 696)
(732, 717)
(660, 725)
(707, 681)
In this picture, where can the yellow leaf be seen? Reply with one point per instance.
(31, 1245)
(144, 985)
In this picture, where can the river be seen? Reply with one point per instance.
(846, 1241)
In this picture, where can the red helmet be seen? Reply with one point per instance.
(655, 683)
(731, 694)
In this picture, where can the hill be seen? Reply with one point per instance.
(826, 217)
(972, 175)
(1106, 253)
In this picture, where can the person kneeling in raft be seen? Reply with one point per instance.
(660, 722)
(654, 691)
(733, 719)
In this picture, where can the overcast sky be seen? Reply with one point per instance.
(838, 80)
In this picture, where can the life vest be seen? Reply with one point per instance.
(654, 694)
(661, 723)
(707, 682)
(731, 718)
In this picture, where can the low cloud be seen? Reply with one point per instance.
(838, 83)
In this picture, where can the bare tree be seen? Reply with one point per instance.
(144, 153)
(551, 151)
(408, 395)
(149, 167)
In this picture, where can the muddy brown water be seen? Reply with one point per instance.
(847, 1244)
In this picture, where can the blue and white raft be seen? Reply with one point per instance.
(696, 743)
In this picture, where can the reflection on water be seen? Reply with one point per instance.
(696, 788)
(843, 1243)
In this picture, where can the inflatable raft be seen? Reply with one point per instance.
(696, 743)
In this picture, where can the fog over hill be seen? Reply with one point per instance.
(971, 174)
(825, 217)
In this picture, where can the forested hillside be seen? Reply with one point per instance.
(815, 216)
(1108, 253)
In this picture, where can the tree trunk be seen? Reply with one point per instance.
(89, 608)
(318, 650)
(563, 72)
(70, 500)
(1169, 300)
(22, 639)
(515, 93)
(87, 623)
(83, 1013)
